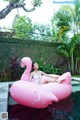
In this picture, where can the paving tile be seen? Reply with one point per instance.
(2, 100)
(3, 84)
(75, 88)
(75, 78)
(2, 90)
(3, 96)
(3, 105)
(75, 82)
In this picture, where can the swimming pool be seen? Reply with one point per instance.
(68, 109)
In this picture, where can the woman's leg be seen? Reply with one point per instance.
(48, 80)
(52, 79)
(54, 76)
(59, 80)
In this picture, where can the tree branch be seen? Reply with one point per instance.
(12, 6)
(28, 10)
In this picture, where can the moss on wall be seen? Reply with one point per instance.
(36, 50)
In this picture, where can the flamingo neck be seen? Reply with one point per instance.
(28, 69)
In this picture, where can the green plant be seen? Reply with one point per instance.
(48, 68)
(23, 27)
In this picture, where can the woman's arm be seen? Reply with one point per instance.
(50, 75)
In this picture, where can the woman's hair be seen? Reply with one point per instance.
(32, 66)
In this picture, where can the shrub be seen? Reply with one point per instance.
(48, 68)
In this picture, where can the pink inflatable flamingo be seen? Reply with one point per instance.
(39, 96)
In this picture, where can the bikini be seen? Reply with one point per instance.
(37, 78)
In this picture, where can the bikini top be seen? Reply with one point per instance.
(37, 78)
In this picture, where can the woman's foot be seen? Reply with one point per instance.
(59, 80)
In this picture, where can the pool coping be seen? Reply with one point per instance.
(4, 88)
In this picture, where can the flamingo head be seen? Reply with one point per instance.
(26, 61)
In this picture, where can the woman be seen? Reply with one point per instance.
(40, 77)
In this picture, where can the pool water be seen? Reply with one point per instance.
(68, 109)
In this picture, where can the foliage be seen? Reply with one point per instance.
(14, 1)
(48, 68)
(43, 32)
(34, 2)
(23, 27)
(62, 21)
(71, 51)
(37, 2)
(67, 20)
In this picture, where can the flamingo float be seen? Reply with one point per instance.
(39, 96)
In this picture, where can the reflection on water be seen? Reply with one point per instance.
(67, 109)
